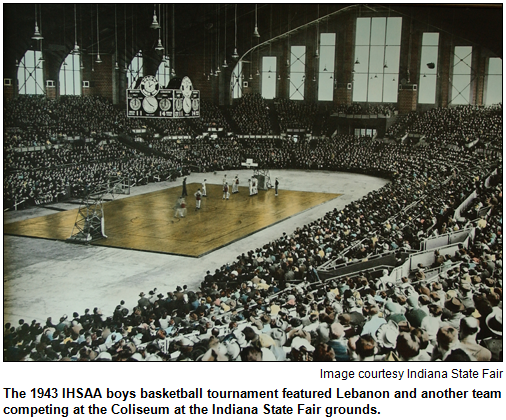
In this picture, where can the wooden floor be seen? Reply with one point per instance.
(146, 222)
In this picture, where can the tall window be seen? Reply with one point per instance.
(31, 74)
(461, 80)
(269, 77)
(493, 93)
(235, 81)
(377, 52)
(70, 75)
(297, 72)
(326, 69)
(135, 70)
(163, 72)
(428, 68)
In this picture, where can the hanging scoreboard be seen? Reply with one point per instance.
(149, 101)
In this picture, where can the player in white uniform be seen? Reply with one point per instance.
(226, 191)
(235, 185)
(250, 185)
(198, 199)
(255, 185)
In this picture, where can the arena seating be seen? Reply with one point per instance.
(415, 267)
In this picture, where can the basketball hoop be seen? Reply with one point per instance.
(249, 164)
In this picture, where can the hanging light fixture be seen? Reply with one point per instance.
(98, 60)
(325, 68)
(235, 55)
(317, 53)
(76, 47)
(225, 64)
(116, 66)
(154, 24)
(314, 78)
(356, 61)
(159, 47)
(256, 34)
(279, 77)
(250, 77)
(37, 35)
(258, 72)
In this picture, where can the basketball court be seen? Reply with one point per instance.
(147, 222)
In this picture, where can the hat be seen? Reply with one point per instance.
(279, 336)
(299, 342)
(141, 294)
(454, 305)
(233, 349)
(386, 335)
(494, 321)
(290, 299)
(104, 356)
(337, 329)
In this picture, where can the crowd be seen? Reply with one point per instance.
(269, 303)
(387, 110)
(296, 115)
(458, 126)
(251, 114)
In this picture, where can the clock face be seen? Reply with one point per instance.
(149, 86)
(165, 104)
(135, 104)
(179, 104)
(150, 104)
(186, 87)
(187, 105)
(195, 104)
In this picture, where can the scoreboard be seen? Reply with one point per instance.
(149, 101)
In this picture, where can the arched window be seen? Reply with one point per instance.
(163, 72)
(135, 70)
(31, 74)
(70, 75)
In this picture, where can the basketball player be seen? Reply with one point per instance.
(235, 185)
(198, 199)
(184, 193)
(180, 207)
(224, 179)
(250, 185)
(255, 186)
(226, 191)
(276, 185)
(204, 191)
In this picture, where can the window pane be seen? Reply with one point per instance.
(378, 31)
(461, 76)
(494, 81)
(297, 71)
(377, 70)
(363, 31)
(163, 72)
(30, 74)
(360, 88)
(428, 75)
(235, 81)
(269, 77)
(326, 67)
